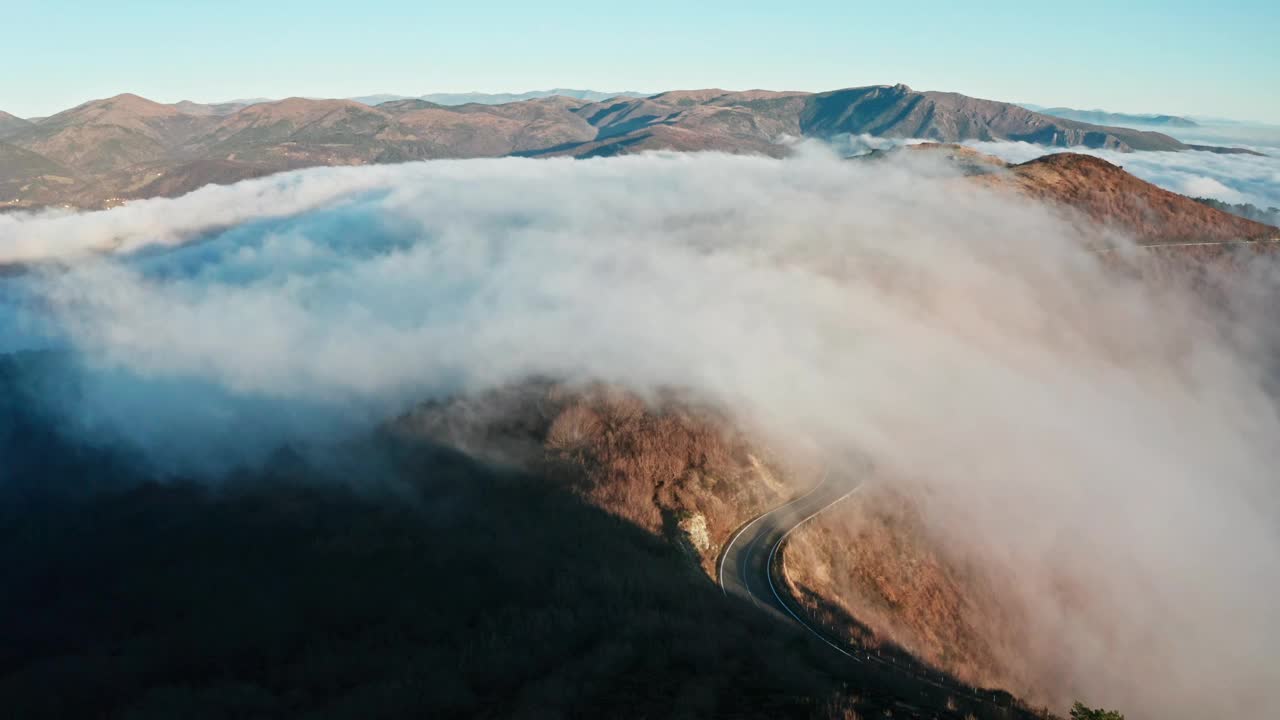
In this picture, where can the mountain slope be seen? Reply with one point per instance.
(110, 134)
(298, 132)
(11, 124)
(688, 120)
(459, 588)
(128, 147)
(1107, 194)
(194, 108)
(477, 130)
(282, 597)
(898, 111)
(295, 120)
(21, 164)
(26, 177)
(1098, 196)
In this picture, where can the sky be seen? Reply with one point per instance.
(1171, 56)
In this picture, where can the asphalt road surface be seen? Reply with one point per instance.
(745, 566)
(747, 571)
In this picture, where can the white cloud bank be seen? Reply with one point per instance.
(1074, 428)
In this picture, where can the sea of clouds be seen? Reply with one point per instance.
(1074, 427)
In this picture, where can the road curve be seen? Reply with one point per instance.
(746, 564)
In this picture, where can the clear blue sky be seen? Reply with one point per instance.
(1173, 56)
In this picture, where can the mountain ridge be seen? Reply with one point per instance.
(127, 147)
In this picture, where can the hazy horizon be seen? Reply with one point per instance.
(1203, 119)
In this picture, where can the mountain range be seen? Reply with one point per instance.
(1102, 117)
(498, 98)
(104, 152)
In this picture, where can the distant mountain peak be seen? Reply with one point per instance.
(115, 109)
(128, 97)
(132, 102)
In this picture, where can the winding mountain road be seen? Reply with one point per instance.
(747, 568)
(747, 562)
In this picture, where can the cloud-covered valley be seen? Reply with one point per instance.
(1072, 426)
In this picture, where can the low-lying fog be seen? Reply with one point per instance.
(1075, 429)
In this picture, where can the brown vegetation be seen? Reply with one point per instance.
(473, 593)
(871, 572)
(1109, 196)
(663, 464)
(437, 586)
(898, 111)
(1099, 197)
